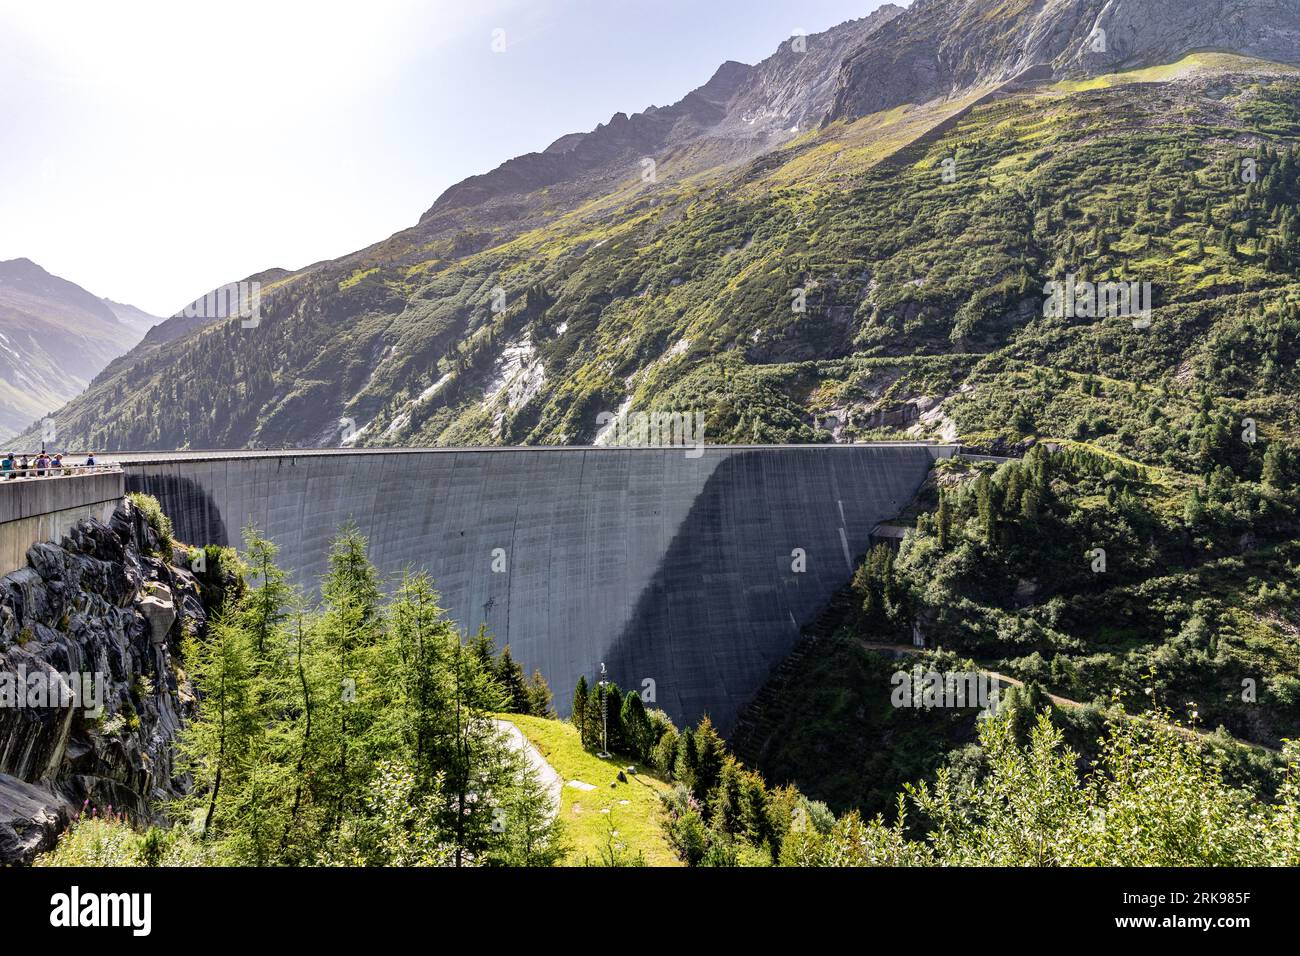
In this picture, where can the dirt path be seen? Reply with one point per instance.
(1063, 702)
(546, 775)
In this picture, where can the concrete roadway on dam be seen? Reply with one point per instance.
(679, 571)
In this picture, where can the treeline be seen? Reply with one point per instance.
(355, 730)
(720, 813)
(1155, 797)
(519, 694)
(993, 528)
(1090, 573)
(1152, 794)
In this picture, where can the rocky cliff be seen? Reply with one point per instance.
(95, 620)
(941, 47)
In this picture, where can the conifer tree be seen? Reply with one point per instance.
(474, 760)
(423, 639)
(710, 753)
(347, 629)
(301, 730)
(1274, 473)
(579, 712)
(540, 702)
(687, 758)
(265, 610)
(986, 508)
(214, 748)
(510, 675)
(593, 733)
(636, 725)
(944, 522)
(483, 647)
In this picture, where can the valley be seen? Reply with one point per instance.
(962, 338)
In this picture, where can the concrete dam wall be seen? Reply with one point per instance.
(45, 509)
(670, 569)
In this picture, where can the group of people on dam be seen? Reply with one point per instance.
(40, 465)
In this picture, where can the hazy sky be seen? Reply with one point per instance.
(152, 149)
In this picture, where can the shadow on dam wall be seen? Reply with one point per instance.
(184, 496)
(667, 569)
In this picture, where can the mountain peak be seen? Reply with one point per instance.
(725, 82)
(54, 338)
(740, 112)
(17, 268)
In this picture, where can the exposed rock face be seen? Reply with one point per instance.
(100, 606)
(160, 611)
(940, 47)
(30, 819)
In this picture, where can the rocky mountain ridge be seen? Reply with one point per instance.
(941, 47)
(741, 112)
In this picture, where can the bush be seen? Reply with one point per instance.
(154, 517)
(664, 754)
(108, 839)
(689, 837)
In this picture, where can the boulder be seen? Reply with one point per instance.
(31, 819)
(159, 609)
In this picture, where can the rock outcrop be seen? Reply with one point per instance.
(31, 819)
(939, 48)
(95, 620)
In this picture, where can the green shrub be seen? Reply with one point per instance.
(107, 839)
(153, 515)
(95, 841)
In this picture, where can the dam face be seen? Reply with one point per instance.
(683, 575)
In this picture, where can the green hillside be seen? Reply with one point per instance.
(1094, 581)
(679, 294)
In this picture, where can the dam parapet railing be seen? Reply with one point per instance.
(127, 458)
(58, 471)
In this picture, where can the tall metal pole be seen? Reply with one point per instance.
(604, 714)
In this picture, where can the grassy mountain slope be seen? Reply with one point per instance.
(679, 293)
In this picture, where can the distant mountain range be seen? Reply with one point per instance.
(55, 337)
(655, 259)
